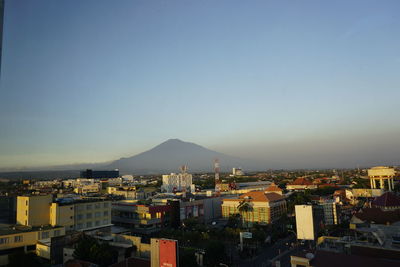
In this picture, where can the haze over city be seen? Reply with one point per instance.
(310, 84)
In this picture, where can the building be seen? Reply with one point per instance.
(383, 175)
(308, 221)
(17, 238)
(387, 201)
(128, 192)
(99, 174)
(274, 189)
(237, 172)
(74, 214)
(331, 213)
(255, 207)
(140, 218)
(332, 259)
(301, 184)
(177, 182)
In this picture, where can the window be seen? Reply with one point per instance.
(57, 233)
(97, 223)
(88, 216)
(26, 202)
(79, 226)
(80, 217)
(89, 207)
(45, 235)
(105, 222)
(106, 205)
(105, 213)
(18, 238)
(26, 212)
(97, 214)
(89, 224)
(97, 206)
(4, 240)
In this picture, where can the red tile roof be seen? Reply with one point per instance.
(301, 181)
(273, 188)
(376, 215)
(258, 196)
(388, 199)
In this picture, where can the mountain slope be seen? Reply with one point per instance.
(168, 156)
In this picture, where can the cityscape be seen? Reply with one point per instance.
(199, 133)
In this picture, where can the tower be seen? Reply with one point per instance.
(217, 180)
(381, 174)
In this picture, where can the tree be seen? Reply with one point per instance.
(89, 249)
(215, 253)
(244, 208)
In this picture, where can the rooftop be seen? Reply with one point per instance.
(388, 199)
(258, 196)
(376, 215)
(16, 229)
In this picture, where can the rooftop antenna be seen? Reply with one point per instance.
(217, 180)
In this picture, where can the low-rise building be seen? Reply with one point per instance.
(255, 207)
(140, 218)
(301, 184)
(75, 214)
(16, 238)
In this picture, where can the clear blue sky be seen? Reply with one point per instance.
(307, 83)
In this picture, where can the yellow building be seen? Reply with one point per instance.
(382, 175)
(33, 210)
(74, 214)
(15, 238)
(261, 207)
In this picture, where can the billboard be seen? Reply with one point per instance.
(168, 253)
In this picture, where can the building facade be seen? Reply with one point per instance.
(177, 182)
(262, 207)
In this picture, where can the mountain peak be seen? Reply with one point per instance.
(171, 154)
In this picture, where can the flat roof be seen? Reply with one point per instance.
(17, 229)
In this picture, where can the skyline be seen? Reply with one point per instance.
(292, 84)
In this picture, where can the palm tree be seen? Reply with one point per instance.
(244, 208)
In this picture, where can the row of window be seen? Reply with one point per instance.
(93, 206)
(91, 224)
(6, 240)
(90, 215)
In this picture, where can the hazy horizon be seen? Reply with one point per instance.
(294, 84)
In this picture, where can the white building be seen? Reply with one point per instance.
(237, 172)
(177, 181)
(308, 220)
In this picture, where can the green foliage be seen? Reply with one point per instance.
(324, 191)
(187, 257)
(361, 183)
(298, 198)
(215, 253)
(89, 249)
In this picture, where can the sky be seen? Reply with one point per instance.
(295, 83)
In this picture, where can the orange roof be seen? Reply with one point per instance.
(301, 181)
(273, 188)
(261, 196)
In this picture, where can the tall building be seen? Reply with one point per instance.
(99, 174)
(177, 182)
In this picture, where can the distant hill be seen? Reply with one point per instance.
(168, 156)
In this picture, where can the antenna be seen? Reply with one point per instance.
(217, 180)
